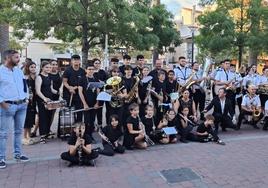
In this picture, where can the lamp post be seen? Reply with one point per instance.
(192, 28)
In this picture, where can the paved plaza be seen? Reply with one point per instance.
(243, 162)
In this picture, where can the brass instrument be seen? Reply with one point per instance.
(148, 95)
(148, 140)
(263, 89)
(207, 65)
(114, 82)
(188, 83)
(256, 113)
(132, 93)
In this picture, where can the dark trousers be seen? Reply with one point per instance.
(265, 126)
(99, 113)
(199, 98)
(89, 118)
(231, 96)
(45, 118)
(75, 159)
(226, 122)
(108, 150)
(197, 138)
(242, 115)
(239, 102)
(263, 99)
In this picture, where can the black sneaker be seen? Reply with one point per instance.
(43, 140)
(2, 164)
(22, 158)
(33, 135)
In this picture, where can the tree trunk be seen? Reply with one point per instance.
(4, 39)
(253, 57)
(85, 44)
(240, 55)
(155, 55)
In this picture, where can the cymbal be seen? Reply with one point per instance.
(115, 80)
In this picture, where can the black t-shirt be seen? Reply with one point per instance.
(188, 104)
(100, 75)
(143, 90)
(90, 93)
(134, 122)
(202, 128)
(113, 134)
(73, 138)
(159, 86)
(73, 77)
(128, 83)
(46, 87)
(148, 123)
(173, 123)
(56, 78)
(170, 87)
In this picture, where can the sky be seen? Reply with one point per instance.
(174, 6)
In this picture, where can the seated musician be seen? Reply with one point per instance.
(265, 126)
(150, 127)
(185, 101)
(205, 132)
(223, 111)
(185, 124)
(251, 105)
(80, 151)
(110, 135)
(169, 120)
(134, 134)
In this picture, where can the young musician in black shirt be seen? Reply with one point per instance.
(144, 93)
(30, 74)
(149, 122)
(80, 148)
(101, 76)
(171, 84)
(128, 83)
(159, 96)
(56, 79)
(134, 134)
(140, 64)
(169, 120)
(88, 95)
(205, 132)
(44, 91)
(110, 135)
(71, 78)
(126, 61)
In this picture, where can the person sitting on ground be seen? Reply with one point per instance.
(80, 148)
(110, 135)
(205, 132)
(265, 126)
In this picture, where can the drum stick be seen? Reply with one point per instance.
(83, 109)
(71, 98)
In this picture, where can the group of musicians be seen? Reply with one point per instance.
(144, 102)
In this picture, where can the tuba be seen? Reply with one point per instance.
(114, 82)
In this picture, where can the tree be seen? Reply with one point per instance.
(127, 23)
(246, 28)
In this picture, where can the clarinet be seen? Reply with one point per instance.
(105, 138)
(146, 137)
(80, 147)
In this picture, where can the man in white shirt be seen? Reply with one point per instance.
(225, 79)
(253, 78)
(263, 86)
(13, 104)
(250, 102)
(182, 73)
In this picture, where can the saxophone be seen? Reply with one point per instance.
(133, 91)
(188, 83)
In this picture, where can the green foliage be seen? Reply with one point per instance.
(132, 24)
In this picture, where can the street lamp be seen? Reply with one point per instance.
(192, 28)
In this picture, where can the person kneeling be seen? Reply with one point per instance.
(80, 151)
(110, 135)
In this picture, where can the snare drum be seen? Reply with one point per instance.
(53, 105)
